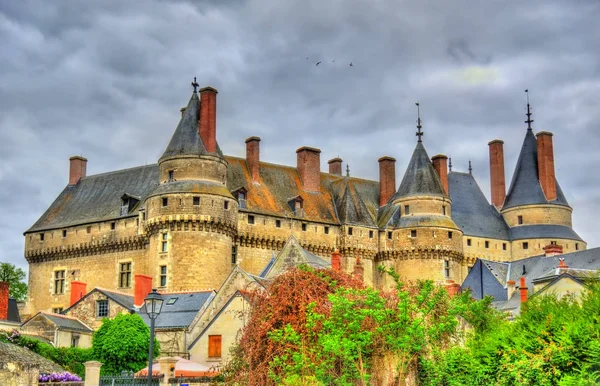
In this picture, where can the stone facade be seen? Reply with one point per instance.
(86, 310)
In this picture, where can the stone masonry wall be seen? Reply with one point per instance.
(86, 311)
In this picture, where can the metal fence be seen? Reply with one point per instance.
(128, 379)
(181, 381)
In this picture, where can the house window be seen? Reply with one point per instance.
(525, 245)
(406, 209)
(171, 175)
(165, 201)
(326, 230)
(164, 244)
(487, 244)
(350, 231)
(242, 199)
(88, 230)
(449, 234)
(234, 254)
(250, 219)
(102, 308)
(214, 346)
(226, 205)
(576, 246)
(444, 210)
(163, 276)
(504, 246)
(468, 242)
(389, 234)
(370, 234)
(278, 223)
(64, 233)
(125, 275)
(303, 227)
(75, 340)
(112, 226)
(552, 242)
(196, 201)
(520, 220)
(446, 268)
(41, 237)
(413, 233)
(57, 310)
(59, 282)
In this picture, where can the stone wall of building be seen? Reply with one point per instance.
(538, 214)
(535, 247)
(486, 248)
(86, 310)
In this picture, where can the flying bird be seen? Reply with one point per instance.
(317, 63)
(333, 61)
(351, 65)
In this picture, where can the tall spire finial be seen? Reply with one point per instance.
(419, 132)
(450, 163)
(347, 170)
(529, 121)
(470, 168)
(195, 84)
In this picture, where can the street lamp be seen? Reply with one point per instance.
(153, 303)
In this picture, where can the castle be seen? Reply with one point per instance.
(186, 221)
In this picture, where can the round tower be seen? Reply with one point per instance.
(191, 217)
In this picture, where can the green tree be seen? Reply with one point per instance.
(122, 344)
(14, 277)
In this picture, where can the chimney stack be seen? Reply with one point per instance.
(452, 288)
(523, 290)
(553, 250)
(510, 288)
(440, 164)
(309, 168)
(182, 110)
(78, 289)
(335, 166)
(359, 270)
(562, 263)
(3, 300)
(208, 118)
(336, 260)
(387, 179)
(143, 286)
(497, 181)
(77, 169)
(253, 157)
(545, 153)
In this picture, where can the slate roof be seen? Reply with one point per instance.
(118, 297)
(525, 187)
(351, 208)
(292, 255)
(186, 139)
(420, 178)
(471, 211)
(182, 312)
(487, 278)
(543, 231)
(62, 322)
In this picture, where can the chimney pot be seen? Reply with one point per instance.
(553, 250)
(387, 179)
(335, 166)
(440, 164)
(208, 118)
(253, 157)
(142, 287)
(546, 173)
(182, 110)
(309, 168)
(77, 169)
(4, 290)
(497, 177)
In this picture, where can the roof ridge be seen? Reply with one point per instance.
(207, 290)
(60, 316)
(119, 171)
(112, 291)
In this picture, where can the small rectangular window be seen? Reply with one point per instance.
(520, 219)
(447, 268)
(350, 231)
(370, 234)
(57, 310)
(214, 346)
(525, 245)
(102, 308)
(468, 242)
(88, 229)
(125, 275)
(389, 235)
(406, 209)
(74, 340)
(171, 175)
(112, 226)
(487, 244)
(163, 275)
(504, 246)
(196, 200)
(449, 234)
(552, 242)
(64, 233)
(576, 246)
(278, 223)
(413, 233)
(164, 247)
(41, 237)
(234, 254)
(444, 210)
(165, 201)
(326, 230)
(59, 282)
(303, 227)
(226, 205)
(250, 219)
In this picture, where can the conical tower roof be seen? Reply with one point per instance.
(525, 187)
(351, 208)
(420, 178)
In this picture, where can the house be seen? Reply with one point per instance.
(59, 330)
(98, 304)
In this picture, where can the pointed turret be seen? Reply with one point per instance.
(420, 178)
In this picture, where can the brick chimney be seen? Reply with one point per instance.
(387, 179)
(143, 286)
(523, 290)
(510, 288)
(553, 250)
(78, 289)
(253, 157)
(452, 288)
(3, 300)
(335, 166)
(77, 169)
(359, 270)
(440, 164)
(545, 153)
(208, 118)
(336, 260)
(182, 110)
(497, 181)
(309, 168)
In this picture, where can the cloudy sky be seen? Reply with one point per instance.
(106, 80)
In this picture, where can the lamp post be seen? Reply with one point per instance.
(153, 303)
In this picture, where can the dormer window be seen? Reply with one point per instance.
(171, 175)
(128, 203)
(296, 205)
(406, 209)
(240, 194)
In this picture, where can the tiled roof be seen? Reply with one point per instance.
(179, 309)
(66, 322)
(471, 210)
(545, 231)
(420, 178)
(525, 187)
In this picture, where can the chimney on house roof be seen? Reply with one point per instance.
(143, 286)
(452, 288)
(553, 250)
(309, 168)
(253, 157)
(510, 288)
(387, 179)
(4, 286)
(208, 118)
(335, 166)
(440, 164)
(77, 169)
(562, 263)
(497, 181)
(523, 290)
(78, 289)
(545, 155)
(336, 260)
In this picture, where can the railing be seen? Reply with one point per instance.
(128, 379)
(191, 381)
(73, 383)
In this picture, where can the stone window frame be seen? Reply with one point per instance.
(125, 273)
(487, 244)
(350, 231)
(326, 230)
(101, 308)
(504, 246)
(42, 236)
(251, 219)
(525, 245)
(57, 310)
(447, 269)
(59, 281)
(162, 275)
(64, 233)
(413, 233)
(303, 227)
(520, 219)
(277, 223)
(196, 200)
(164, 242)
(406, 210)
(469, 242)
(164, 202)
(449, 235)
(234, 254)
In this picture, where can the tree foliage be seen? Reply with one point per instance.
(122, 344)
(14, 277)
